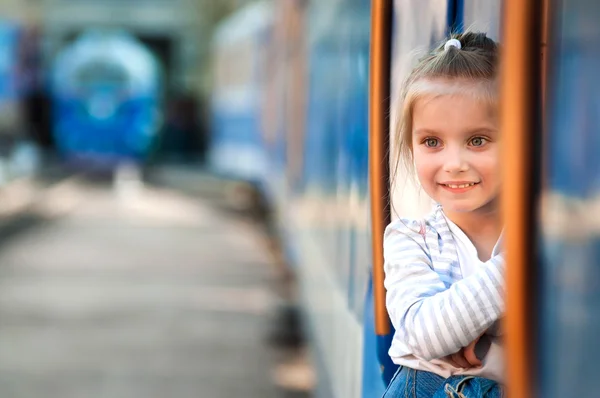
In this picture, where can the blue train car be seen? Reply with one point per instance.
(106, 100)
(327, 210)
(240, 63)
(19, 156)
(318, 176)
(324, 213)
(10, 78)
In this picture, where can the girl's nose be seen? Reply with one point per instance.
(455, 161)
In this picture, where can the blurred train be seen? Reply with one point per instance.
(18, 154)
(317, 78)
(240, 66)
(106, 89)
(10, 90)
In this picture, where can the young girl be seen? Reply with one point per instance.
(444, 274)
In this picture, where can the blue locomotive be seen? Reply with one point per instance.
(106, 90)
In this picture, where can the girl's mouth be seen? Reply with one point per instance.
(459, 187)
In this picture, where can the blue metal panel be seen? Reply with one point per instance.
(569, 227)
(378, 367)
(120, 136)
(9, 57)
(335, 176)
(319, 154)
(236, 145)
(455, 16)
(242, 129)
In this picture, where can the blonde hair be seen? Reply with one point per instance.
(471, 70)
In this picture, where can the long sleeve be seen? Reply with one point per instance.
(433, 316)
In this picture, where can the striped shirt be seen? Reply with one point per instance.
(434, 310)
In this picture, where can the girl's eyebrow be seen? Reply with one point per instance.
(424, 132)
(471, 131)
(482, 130)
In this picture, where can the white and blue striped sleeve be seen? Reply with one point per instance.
(434, 318)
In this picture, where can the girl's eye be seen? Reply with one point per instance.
(431, 142)
(478, 141)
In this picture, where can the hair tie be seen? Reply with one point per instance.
(452, 43)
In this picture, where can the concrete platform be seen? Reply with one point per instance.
(135, 292)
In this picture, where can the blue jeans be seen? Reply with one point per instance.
(410, 383)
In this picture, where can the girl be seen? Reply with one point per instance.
(444, 274)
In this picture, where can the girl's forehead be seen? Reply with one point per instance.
(454, 104)
(453, 112)
(485, 91)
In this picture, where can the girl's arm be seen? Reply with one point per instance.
(434, 320)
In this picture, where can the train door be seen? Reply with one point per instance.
(551, 203)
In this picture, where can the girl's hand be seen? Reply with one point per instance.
(459, 360)
(470, 354)
(467, 358)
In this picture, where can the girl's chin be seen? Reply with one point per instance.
(466, 206)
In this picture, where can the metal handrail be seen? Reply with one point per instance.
(379, 104)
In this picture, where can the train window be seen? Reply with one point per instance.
(483, 16)
(569, 237)
(105, 73)
(234, 65)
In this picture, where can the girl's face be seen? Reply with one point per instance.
(456, 152)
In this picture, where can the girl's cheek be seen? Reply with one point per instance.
(488, 159)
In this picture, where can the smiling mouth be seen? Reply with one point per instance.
(459, 186)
